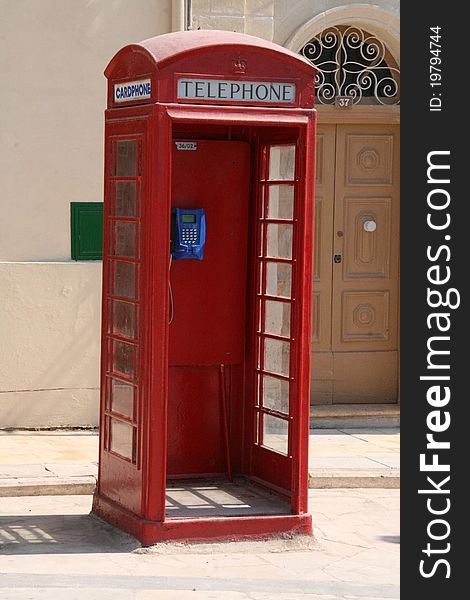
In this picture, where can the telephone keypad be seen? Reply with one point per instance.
(189, 235)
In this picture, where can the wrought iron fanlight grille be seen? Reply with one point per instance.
(352, 62)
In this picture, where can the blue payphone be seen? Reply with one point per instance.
(188, 233)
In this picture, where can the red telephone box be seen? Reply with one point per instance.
(209, 157)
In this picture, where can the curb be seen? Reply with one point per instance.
(347, 479)
(71, 486)
(74, 486)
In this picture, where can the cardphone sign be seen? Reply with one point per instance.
(132, 90)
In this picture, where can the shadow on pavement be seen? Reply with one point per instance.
(61, 534)
(392, 539)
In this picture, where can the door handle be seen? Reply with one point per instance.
(337, 258)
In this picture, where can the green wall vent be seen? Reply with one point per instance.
(86, 221)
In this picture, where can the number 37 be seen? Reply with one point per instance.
(343, 102)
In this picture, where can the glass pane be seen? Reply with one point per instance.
(278, 279)
(124, 280)
(275, 432)
(277, 318)
(281, 162)
(122, 398)
(123, 318)
(281, 202)
(276, 356)
(125, 199)
(121, 438)
(124, 235)
(276, 394)
(123, 358)
(279, 240)
(261, 282)
(125, 158)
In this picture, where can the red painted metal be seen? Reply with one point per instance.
(168, 408)
(223, 408)
(229, 528)
(212, 291)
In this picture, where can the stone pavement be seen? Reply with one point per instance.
(52, 548)
(65, 461)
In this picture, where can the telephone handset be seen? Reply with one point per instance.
(188, 233)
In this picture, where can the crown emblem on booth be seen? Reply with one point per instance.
(239, 65)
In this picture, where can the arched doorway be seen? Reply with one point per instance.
(355, 298)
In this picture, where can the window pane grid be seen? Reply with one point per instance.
(123, 440)
(275, 433)
(276, 298)
(120, 338)
(278, 279)
(121, 406)
(281, 162)
(122, 359)
(274, 413)
(124, 239)
(125, 157)
(124, 280)
(123, 319)
(278, 221)
(120, 417)
(125, 259)
(276, 395)
(277, 375)
(268, 182)
(115, 219)
(276, 356)
(273, 259)
(277, 319)
(273, 336)
(274, 284)
(124, 198)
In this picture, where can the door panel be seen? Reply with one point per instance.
(355, 320)
(323, 238)
(365, 377)
(365, 298)
(322, 357)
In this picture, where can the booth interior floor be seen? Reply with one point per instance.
(219, 498)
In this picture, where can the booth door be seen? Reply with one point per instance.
(121, 422)
(276, 398)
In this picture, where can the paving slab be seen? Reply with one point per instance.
(52, 548)
(53, 462)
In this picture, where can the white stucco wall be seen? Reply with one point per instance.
(50, 344)
(52, 57)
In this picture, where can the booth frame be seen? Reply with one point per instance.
(144, 516)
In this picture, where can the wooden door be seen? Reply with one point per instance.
(355, 337)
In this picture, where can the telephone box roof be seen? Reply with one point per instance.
(165, 49)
